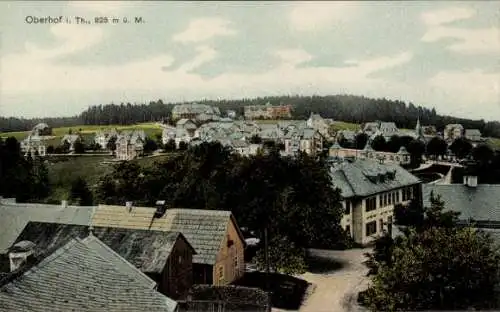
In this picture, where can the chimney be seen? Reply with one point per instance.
(129, 206)
(161, 208)
(470, 180)
(20, 253)
(64, 203)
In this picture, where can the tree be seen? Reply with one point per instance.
(416, 149)
(379, 144)
(78, 147)
(360, 140)
(65, 146)
(394, 144)
(183, 146)
(461, 147)
(437, 269)
(170, 145)
(483, 154)
(80, 193)
(436, 147)
(111, 145)
(150, 146)
(284, 257)
(50, 149)
(255, 139)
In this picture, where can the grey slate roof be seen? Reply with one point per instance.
(205, 230)
(77, 277)
(354, 178)
(481, 203)
(146, 250)
(14, 218)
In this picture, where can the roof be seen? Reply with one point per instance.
(146, 250)
(204, 229)
(361, 177)
(80, 277)
(16, 216)
(236, 298)
(472, 132)
(480, 203)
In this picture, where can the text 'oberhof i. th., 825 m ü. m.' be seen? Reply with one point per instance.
(30, 19)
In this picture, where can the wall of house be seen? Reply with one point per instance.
(178, 272)
(230, 262)
(382, 215)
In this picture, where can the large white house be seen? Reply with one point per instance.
(369, 191)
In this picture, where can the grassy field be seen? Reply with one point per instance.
(494, 143)
(88, 131)
(63, 170)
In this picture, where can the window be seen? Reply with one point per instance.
(236, 262)
(389, 198)
(180, 259)
(371, 228)
(348, 229)
(385, 200)
(381, 201)
(347, 207)
(371, 204)
(404, 195)
(393, 197)
(389, 225)
(397, 196)
(381, 225)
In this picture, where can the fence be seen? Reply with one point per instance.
(221, 306)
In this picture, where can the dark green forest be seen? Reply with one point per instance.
(349, 108)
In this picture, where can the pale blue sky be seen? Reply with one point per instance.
(436, 54)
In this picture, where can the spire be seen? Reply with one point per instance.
(418, 128)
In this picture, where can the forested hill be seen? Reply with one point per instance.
(348, 108)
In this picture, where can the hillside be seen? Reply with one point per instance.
(347, 108)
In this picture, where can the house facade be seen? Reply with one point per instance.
(130, 145)
(267, 111)
(473, 135)
(319, 124)
(214, 234)
(369, 191)
(453, 131)
(71, 139)
(102, 137)
(402, 157)
(306, 140)
(33, 145)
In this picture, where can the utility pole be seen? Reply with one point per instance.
(266, 256)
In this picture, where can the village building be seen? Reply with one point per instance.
(81, 275)
(71, 139)
(33, 146)
(474, 136)
(452, 132)
(103, 137)
(306, 140)
(130, 145)
(166, 257)
(402, 157)
(369, 191)
(214, 234)
(320, 124)
(193, 110)
(41, 129)
(267, 111)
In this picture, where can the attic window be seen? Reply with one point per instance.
(230, 242)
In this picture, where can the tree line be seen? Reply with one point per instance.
(349, 108)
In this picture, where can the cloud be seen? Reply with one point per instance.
(469, 41)
(204, 29)
(317, 15)
(74, 38)
(103, 7)
(205, 55)
(447, 15)
(293, 57)
(474, 90)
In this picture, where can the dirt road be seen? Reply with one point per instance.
(336, 291)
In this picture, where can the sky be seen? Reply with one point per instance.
(444, 55)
